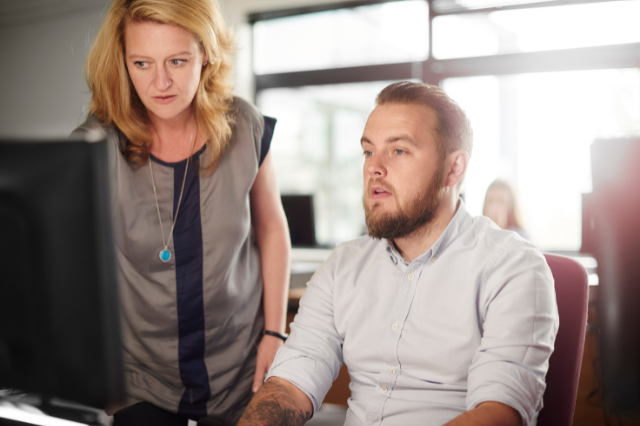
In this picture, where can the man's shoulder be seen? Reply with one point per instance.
(499, 248)
(490, 236)
(490, 243)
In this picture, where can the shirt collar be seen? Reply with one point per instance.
(459, 224)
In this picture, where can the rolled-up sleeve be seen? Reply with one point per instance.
(520, 322)
(312, 356)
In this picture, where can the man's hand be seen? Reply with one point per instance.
(488, 413)
(267, 349)
(277, 403)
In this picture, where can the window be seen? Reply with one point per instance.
(537, 29)
(316, 150)
(537, 130)
(540, 80)
(375, 34)
(443, 6)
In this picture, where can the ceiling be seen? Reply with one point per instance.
(20, 11)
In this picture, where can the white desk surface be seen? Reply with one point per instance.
(307, 260)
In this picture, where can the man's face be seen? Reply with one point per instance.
(403, 172)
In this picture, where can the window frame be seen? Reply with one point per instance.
(435, 71)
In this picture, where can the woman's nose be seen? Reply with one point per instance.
(163, 79)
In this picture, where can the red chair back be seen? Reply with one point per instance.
(564, 366)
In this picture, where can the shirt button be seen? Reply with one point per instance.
(383, 389)
(434, 258)
(410, 276)
(392, 370)
(394, 326)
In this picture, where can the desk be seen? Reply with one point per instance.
(304, 263)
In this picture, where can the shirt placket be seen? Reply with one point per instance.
(391, 339)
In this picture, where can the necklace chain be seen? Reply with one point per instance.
(155, 193)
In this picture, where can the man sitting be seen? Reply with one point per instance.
(441, 317)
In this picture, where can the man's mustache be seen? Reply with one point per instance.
(377, 182)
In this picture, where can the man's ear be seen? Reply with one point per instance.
(456, 164)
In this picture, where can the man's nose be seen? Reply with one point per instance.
(163, 79)
(376, 167)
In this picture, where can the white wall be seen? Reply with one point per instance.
(42, 86)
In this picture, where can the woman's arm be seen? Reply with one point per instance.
(272, 234)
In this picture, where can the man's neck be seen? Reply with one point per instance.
(421, 240)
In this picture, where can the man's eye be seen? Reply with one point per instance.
(398, 151)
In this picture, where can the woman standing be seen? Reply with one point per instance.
(501, 206)
(201, 239)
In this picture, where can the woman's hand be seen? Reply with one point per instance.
(266, 353)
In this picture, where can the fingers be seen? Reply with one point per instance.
(258, 378)
(266, 353)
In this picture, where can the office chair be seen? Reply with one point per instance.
(564, 366)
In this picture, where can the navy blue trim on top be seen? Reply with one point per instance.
(180, 163)
(267, 135)
(187, 242)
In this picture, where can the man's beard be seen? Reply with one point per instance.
(419, 211)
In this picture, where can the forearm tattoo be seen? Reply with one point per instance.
(273, 405)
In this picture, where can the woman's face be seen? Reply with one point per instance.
(164, 63)
(497, 205)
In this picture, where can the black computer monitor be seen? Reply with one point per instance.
(59, 321)
(300, 218)
(615, 213)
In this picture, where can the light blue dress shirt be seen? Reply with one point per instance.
(473, 319)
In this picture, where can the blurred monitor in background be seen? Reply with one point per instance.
(59, 321)
(615, 210)
(501, 206)
(300, 218)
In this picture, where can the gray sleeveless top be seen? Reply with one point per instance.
(190, 326)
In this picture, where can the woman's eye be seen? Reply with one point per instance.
(141, 64)
(177, 62)
(368, 153)
(398, 151)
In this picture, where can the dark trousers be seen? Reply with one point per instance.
(145, 414)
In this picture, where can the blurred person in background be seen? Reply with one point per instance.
(501, 206)
(201, 238)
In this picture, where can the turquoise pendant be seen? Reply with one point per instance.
(165, 255)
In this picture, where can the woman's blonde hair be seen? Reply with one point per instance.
(114, 100)
(514, 215)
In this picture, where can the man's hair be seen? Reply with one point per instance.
(114, 99)
(453, 128)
